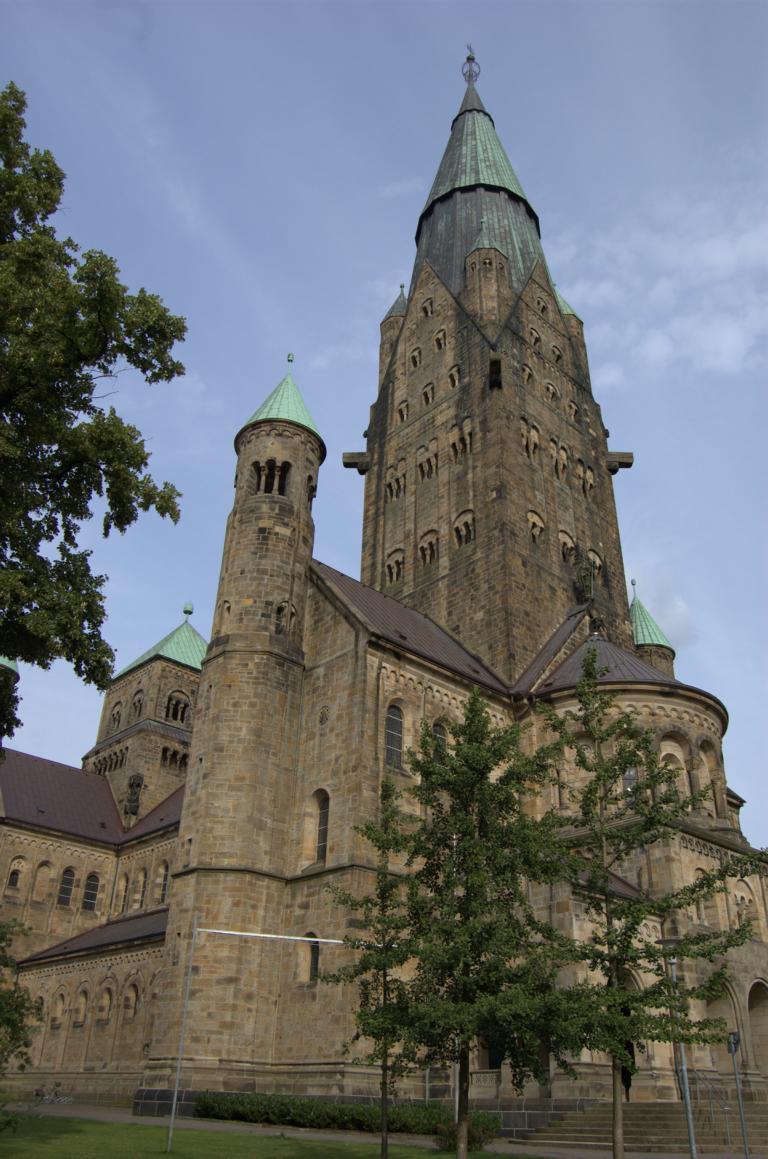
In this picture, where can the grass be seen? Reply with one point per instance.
(59, 1138)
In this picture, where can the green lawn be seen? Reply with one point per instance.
(55, 1138)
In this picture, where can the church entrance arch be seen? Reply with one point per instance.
(758, 1025)
(725, 1008)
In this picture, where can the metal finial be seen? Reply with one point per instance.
(402, 286)
(470, 70)
(290, 359)
(188, 608)
(634, 588)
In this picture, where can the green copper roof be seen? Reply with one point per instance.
(474, 155)
(398, 307)
(184, 644)
(6, 663)
(285, 402)
(644, 627)
(487, 239)
(564, 307)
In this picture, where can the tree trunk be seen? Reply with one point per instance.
(384, 1153)
(462, 1123)
(618, 1110)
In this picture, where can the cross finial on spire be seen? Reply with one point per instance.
(470, 70)
(290, 359)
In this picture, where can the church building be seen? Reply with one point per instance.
(228, 776)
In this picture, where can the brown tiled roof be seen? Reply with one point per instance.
(49, 795)
(544, 657)
(146, 927)
(622, 668)
(168, 812)
(409, 631)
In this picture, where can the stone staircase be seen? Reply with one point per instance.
(649, 1127)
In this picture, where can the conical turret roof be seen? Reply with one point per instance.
(475, 181)
(398, 307)
(11, 664)
(285, 402)
(644, 627)
(184, 645)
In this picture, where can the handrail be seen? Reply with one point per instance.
(715, 1093)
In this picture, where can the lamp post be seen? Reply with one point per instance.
(734, 1041)
(683, 1069)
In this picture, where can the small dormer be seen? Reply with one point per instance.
(487, 293)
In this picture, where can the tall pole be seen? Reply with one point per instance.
(734, 1038)
(182, 1032)
(684, 1075)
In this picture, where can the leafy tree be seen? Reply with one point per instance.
(18, 1013)
(66, 321)
(381, 953)
(484, 964)
(623, 802)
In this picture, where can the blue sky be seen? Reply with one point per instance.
(262, 167)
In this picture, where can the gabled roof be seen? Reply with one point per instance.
(644, 627)
(622, 667)
(286, 404)
(527, 679)
(184, 645)
(141, 928)
(49, 795)
(408, 630)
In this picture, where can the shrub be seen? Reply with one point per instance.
(483, 1127)
(295, 1111)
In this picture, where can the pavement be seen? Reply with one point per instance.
(500, 1147)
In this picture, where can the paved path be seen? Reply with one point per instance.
(501, 1147)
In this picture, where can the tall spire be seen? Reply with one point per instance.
(475, 180)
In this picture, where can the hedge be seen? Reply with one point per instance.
(295, 1111)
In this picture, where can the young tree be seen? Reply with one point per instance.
(485, 965)
(624, 800)
(382, 952)
(66, 322)
(18, 1013)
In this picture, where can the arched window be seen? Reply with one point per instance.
(91, 891)
(123, 894)
(137, 704)
(42, 884)
(269, 481)
(14, 873)
(130, 1002)
(104, 1008)
(115, 716)
(58, 1010)
(440, 732)
(282, 484)
(393, 738)
(323, 809)
(141, 890)
(66, 885)
(81, 1007)
(312, 958)
(177, 707)
(163, 877)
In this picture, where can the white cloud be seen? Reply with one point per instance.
(685, 286)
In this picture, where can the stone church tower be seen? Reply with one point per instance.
(228, 781)
(234, 834)
(508, 519)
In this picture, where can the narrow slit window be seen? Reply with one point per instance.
(494, 374)
(394, 737)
